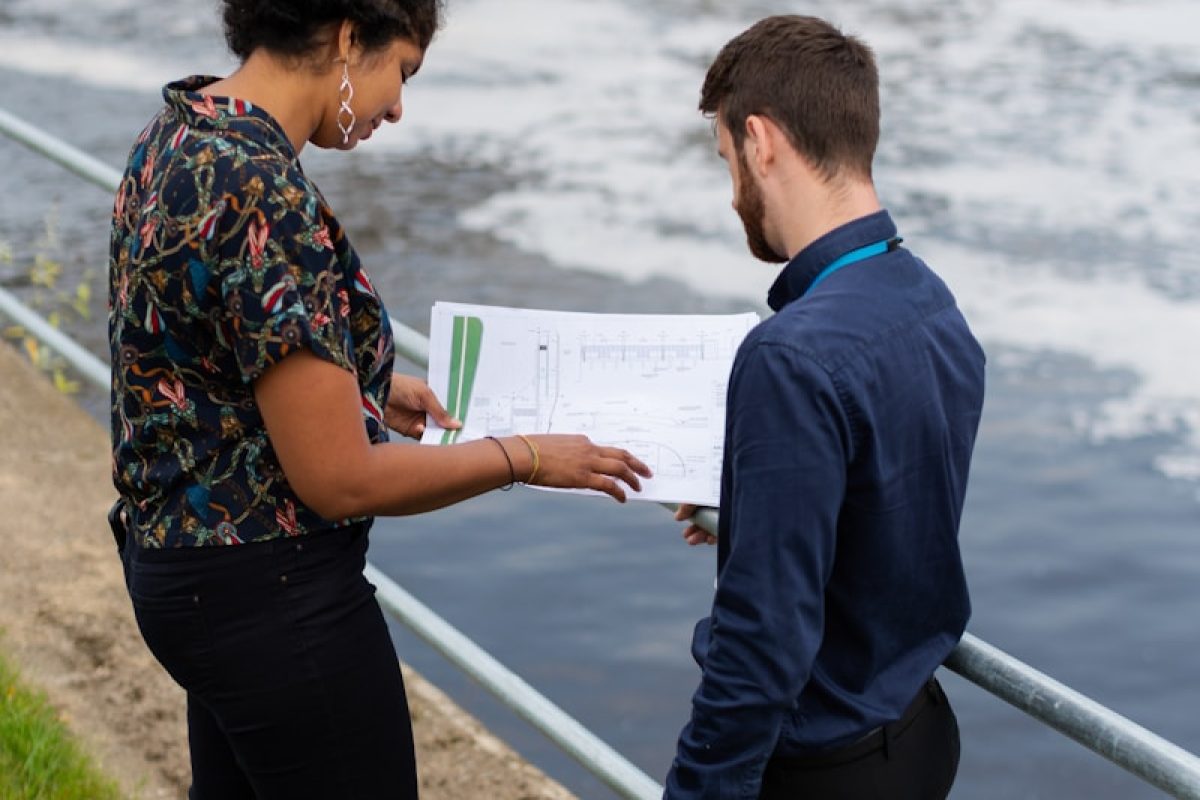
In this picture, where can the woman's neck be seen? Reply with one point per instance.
(284, 92)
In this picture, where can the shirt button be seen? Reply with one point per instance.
(299, 548)
(283, 578)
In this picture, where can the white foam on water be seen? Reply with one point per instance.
(1049, 122)
(1170, 24)
(1073, 114)
(89, 64)
(104, 66)
(592, 105)
(604, 117)
(65, 9)
(1117, 323)
(1059, 121)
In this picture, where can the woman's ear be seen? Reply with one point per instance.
(344, 43)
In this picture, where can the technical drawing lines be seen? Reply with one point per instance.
(664, 461)
(601, 351)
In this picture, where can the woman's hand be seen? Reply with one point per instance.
(573, 462)
(408, 402)
(313, 413)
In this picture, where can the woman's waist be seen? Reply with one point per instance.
(220, 518)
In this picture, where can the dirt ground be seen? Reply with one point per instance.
(65, 620)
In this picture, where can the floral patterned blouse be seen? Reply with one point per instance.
(224, 259)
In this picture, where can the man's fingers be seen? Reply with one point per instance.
(695, 535)
(685, 512)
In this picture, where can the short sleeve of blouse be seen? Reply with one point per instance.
(282, 277)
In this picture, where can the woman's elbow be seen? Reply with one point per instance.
(332, 500)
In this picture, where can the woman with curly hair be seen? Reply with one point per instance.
(252, 392)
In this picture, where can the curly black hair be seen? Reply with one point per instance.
(294, 27)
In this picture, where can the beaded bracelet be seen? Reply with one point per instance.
(537, 460)
(512, 473)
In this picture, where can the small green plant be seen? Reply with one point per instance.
(38, 758)
(45, 276)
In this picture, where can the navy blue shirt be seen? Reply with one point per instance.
(851, 416)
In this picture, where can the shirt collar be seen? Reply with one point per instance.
(798, 275)
(206, 112)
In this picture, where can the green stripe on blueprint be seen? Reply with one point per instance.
(464, 361)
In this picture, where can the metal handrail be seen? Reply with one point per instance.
(565, 731)
(1143, 753)
(1096, 727)
(75, 160)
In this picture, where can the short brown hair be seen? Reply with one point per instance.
(818, 84)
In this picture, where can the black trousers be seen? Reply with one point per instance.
(915, 758)
(293, 684)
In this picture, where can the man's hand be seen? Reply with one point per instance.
(408, 402)
(693, 534)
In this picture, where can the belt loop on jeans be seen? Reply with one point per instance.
(886, 744)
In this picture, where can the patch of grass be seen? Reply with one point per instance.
(38, 758)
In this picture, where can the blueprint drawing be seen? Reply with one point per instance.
(652, 384)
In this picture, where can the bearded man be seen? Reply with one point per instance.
(851, 419)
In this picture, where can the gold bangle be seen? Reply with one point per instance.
(537, 461)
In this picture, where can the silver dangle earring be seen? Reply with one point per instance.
(346, 93)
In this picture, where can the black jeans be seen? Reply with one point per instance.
(915, 758)
(293, 684)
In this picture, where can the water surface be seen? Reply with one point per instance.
(1043, 157)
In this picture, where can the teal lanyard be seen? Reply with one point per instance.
(852, 257)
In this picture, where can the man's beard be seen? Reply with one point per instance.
(751, 208)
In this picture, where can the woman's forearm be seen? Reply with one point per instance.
(313, 415)
(401, 478)
(311, 409)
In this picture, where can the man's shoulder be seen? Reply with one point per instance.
(782, 339)
(866, 310)
(798, 330)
